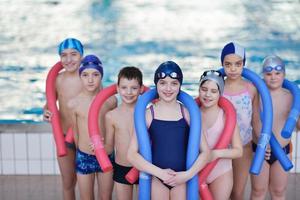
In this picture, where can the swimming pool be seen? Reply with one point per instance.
(143, 34)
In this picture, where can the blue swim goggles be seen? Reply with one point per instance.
(278, 68)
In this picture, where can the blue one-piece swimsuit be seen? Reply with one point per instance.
(169, 142)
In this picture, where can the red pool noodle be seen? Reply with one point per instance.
(52, 107)
(223, 142)
(94, 131)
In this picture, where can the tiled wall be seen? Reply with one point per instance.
(34, 153)
(27, 153)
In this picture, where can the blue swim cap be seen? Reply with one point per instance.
(70, 43)
(233, 48)
(168, 68)
(91, 62)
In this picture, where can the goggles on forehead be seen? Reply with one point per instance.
(211, 72)
(162, 75)
(279, 68)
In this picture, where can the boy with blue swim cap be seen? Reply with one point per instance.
(273, 69)
(87, 166)
(68, 85)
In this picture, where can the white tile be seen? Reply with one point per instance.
(21, 167)
(35, 167)
(7, 146)
(48, 167)
(34, 151)
(296, 152)
(8, 167)
(47, 146)
(20, 146)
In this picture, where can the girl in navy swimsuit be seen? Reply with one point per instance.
(168, 125)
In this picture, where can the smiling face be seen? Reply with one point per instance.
(233, 66)
(168, 89)
(274, 79)
(209, 93)
(129, 90)
(70, 59)
(91, 79)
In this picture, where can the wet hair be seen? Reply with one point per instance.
(131, 72)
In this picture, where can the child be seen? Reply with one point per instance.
(68, 85)
(87, 166)
(119, 123)
(168, 124)
(272, 176)
(220, 180)
(243, 95)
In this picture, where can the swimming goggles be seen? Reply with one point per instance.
(162, 75)
(211, 72)
(279, 68)
(91, 63)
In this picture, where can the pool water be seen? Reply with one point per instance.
(140, 33)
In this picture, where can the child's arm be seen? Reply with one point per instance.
(235, 152)
(46, 113)
(110, 133)
(256, 122)
(202, 160)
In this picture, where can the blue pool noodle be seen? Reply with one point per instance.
(266, 131)
(280, 154)
(145, 149)
(193, 143)
(294, 113)
(143, 138)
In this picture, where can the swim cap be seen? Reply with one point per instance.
(215, 76)
(233, 48)
(168, 68)
(91, 62)
(273, 62)
(70, 43)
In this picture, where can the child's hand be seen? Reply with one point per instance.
(178, 179)
(166, 174)
(47, 115)
(92, 147)
(268, 153)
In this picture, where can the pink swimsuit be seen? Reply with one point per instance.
(212, 136)
(242, 102)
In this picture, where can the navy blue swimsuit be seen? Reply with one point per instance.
(169, 142)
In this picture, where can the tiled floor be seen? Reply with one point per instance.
(49, 187)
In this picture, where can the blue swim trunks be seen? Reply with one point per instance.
(87, 163)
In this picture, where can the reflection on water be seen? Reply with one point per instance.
(143, 33)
